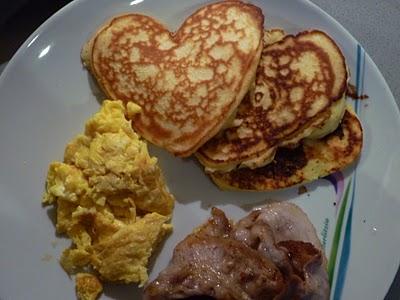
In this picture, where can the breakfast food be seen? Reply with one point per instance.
(111, 200)
(260, 109)
(299, 92)
(88, 286)
(273, 253)
(188, 83)
(244, 100)
(313, 159)
(293, 126)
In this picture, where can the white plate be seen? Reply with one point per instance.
(46, 96)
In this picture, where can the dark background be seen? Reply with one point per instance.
(19, 18)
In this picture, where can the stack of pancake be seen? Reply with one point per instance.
(260, 109)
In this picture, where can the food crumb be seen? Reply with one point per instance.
(302, 190)
(46, 257)
(352, 93)
(88, 286)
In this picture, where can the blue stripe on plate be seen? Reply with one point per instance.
(359, 75)
(361, 86)
(346, 245)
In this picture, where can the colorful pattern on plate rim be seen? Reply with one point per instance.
(344, 199)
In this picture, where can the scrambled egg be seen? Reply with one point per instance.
(88, 287)
(111, 199)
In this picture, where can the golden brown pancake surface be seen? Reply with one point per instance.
(298, 79)
(188, 82)
(311, 160)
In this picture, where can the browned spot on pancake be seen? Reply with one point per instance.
(309, 161)
(352, 93)
(352, 139)
(337, 132)
(286, 99)
(285, 164)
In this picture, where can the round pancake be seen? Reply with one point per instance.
(299, 79)
(189, 82)
(311, 160)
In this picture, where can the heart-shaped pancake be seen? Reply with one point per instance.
(188, 83)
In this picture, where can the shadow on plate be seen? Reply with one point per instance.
(189, 183)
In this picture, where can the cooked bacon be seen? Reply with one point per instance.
(273, 253)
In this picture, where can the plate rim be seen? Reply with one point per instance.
(316, 9)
